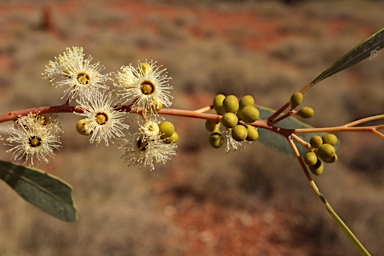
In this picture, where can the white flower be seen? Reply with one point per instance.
(78, 75)
(33, 137)
(144, 87)
(103, 120)
(145, 148)
(232, 144)
(150, 129)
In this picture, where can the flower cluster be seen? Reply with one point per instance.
(34, 137)
(143, 89)
(146, 147)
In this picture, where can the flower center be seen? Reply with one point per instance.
(142, 145)
(147, 87)
(83, 78)
(101, 118)
(34, 141)
(150, 129)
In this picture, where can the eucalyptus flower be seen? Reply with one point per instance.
(76, 74)
(103, 120)
(33, 137)
(145, 148)
(145, 86)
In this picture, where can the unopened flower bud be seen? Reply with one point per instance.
(305, 112)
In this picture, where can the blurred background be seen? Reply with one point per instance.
(205, 201)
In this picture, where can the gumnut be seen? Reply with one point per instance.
(310, 158)
(172, 139)
(216, 139)
(231, 104)
(318, 168)
(229, 120)
(253, 134)
(305, 112)
(155, 105)
(332, 159)
(247, 100)
(80, 127)
(326, 152)
(218, 104)
(166, 129)
(296, 99)
(145, 68)
(316, 141)
(239, 132)
(211, 125)
(330, 139)
(248, 114)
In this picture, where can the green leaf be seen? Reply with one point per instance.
(365, 49)
(279, 142)
(43, 190)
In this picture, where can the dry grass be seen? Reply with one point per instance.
(126, 212)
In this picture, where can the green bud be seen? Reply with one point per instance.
(218, 102)
(247, 100)
(80, 127)
(173, 138)
(231, 104)
(210, 125)
(296, 99)
(316, 141)
(310, 158)
(166, 129)
(330, 139)
(216, 139)
(305, 112)
(239, 132)
(229, 120)
(248, 114)
(155, 105)
(221, 111)
(145, 68)
(318, 168)
(253, 134)
(326, 152)
(332, 160)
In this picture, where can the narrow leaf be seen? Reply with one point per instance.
(365, 49)
(279, 142)
(43, 190)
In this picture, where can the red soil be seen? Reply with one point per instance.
(206, 228)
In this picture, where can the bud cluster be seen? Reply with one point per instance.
(237, 115)
(304, 112)
(154, 143)
(168, 133)
(323, 151)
